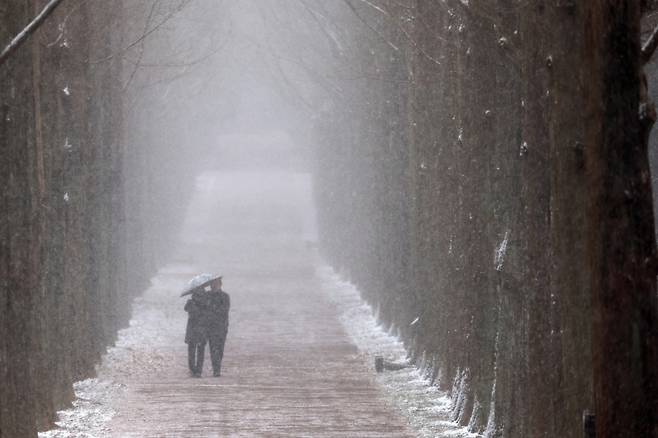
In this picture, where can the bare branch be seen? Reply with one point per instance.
(62, 25)
(314, 74)
(375, 7)
(145, 34)
(379, 34)
(29, 30)
(141, 47)
(398, 26)
(330, 37)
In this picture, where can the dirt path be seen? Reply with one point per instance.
(289, 368)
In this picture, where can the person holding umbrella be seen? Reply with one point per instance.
(208, 310)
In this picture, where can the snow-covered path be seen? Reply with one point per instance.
(290, 366)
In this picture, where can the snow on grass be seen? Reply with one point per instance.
(427, 409)
(90, 412)
(137, 352)
(92, 408)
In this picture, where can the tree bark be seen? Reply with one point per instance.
(621, 237)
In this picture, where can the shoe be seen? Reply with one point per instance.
(216, 374)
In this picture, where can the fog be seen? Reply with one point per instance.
(431, 218)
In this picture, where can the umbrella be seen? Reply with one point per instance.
(199, 283)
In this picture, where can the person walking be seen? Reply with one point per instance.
(196, 334)
(208, 317)
(218, 311)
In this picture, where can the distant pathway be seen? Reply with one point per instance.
(289, 368)
(299, 356)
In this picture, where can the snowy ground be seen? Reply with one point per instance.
(299, 358)
(426, 408)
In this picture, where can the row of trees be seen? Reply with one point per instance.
(481, 175)
(93, 188)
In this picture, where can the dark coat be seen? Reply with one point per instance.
(196, 332)
(217, 315)
(207, 316)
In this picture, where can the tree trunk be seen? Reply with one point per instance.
(621, 237)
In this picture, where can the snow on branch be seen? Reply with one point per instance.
(649, 47)
(29, 30)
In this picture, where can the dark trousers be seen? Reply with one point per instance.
(195, 353)
(217, 352)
